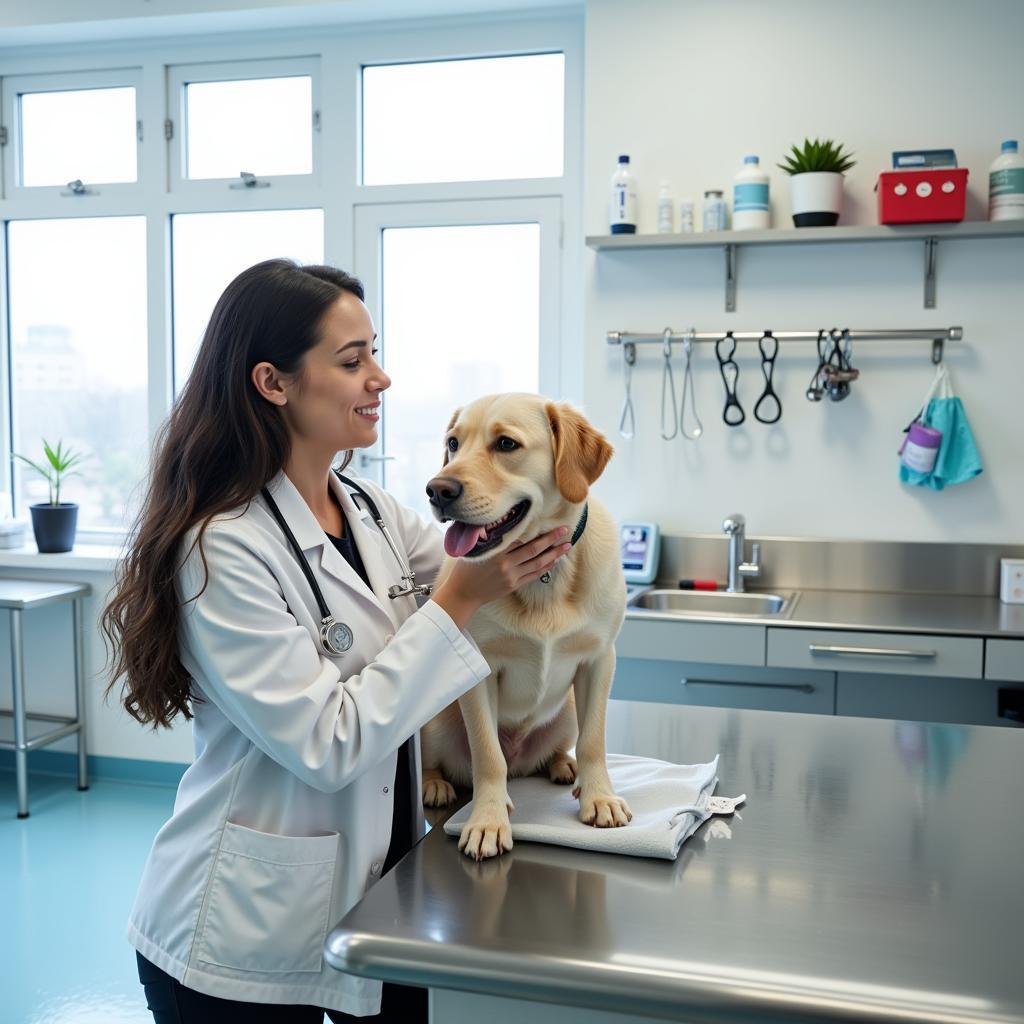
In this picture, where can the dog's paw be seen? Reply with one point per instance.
(604, 810)
(486, 834)
(437, 793)
(562, 770)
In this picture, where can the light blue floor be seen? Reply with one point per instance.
(67, 879)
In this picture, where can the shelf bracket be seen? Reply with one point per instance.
(931, 247)
(730, 278)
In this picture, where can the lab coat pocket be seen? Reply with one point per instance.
(269, 900)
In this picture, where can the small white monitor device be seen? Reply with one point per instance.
(640, 546)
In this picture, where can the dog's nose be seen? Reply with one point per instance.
(443, 490)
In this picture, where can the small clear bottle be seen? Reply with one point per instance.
(715, 216)
(686, 217)
(666, 209)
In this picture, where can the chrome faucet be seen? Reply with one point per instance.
(735, 527)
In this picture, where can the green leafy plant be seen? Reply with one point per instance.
(60, 464)
(817, 156)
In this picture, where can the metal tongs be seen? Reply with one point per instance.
(698, 427)
(628, 360)
(668, 382)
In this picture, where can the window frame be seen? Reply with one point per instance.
(179, 76)
(341, 50)
(14, 86)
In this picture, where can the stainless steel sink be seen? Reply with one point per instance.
(708, 602)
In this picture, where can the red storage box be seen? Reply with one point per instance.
(916, 197)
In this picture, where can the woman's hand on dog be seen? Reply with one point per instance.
(471, 584)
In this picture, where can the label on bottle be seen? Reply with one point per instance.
(1006, 182)
(623, 205)
(917, 458)
(750, 197)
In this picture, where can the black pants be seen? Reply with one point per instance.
(171, 1003)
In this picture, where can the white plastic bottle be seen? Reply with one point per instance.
(750, 208)
(666, 209)
(622, 212)
(1006, 184)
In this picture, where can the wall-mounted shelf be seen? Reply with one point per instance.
(731, 241)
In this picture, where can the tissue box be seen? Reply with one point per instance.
(918, 197)
(1011, 583)
(12, 533)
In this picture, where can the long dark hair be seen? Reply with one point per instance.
(221, 443)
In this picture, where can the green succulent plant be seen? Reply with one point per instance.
(60, 463)
(817, 156)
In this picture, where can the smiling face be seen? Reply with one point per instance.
(335, 401)
(515, 465)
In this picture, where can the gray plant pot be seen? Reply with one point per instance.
(54, 526)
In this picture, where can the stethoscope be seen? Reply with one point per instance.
(336, 637)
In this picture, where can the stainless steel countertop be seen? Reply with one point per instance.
(873, 875)
(881, 612)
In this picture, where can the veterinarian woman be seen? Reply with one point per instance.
(305, 784)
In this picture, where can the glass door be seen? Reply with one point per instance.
(466, 299)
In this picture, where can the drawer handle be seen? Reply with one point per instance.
(882, 652)
(800, 687)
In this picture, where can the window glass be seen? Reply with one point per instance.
(87, 134)
(78, 359)
(464, 120)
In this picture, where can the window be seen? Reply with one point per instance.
(264, 125)
(470, 326)
(464, 120)
(78, 359)
(255, 117)
(70, 127)
(210, 249)
(87, 134)
(106, 290)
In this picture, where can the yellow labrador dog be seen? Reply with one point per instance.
(516, 466)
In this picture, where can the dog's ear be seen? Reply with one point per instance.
(581, 452)
(451, 423)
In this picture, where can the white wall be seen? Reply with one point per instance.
(687, 88)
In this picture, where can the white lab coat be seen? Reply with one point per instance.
(283, 820)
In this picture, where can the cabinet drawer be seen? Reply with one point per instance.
(925, 699)
(706, 642)
(724, 686)
(912, 654)
(1004, 659)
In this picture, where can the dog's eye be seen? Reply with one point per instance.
(453, 444)
(506, 444)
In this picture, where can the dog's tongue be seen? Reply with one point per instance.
(461, 538)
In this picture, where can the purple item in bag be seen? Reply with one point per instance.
(920, 448)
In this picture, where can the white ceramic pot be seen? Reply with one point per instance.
(817, 198)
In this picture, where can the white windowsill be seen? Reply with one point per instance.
(91, 557)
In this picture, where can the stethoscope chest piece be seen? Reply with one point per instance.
(335, 636)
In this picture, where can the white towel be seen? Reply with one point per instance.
(668, 801)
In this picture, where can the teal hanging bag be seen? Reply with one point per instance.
(956, 459)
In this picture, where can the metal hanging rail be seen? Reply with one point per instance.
(938, 336)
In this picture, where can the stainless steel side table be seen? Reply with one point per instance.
(19, 596)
